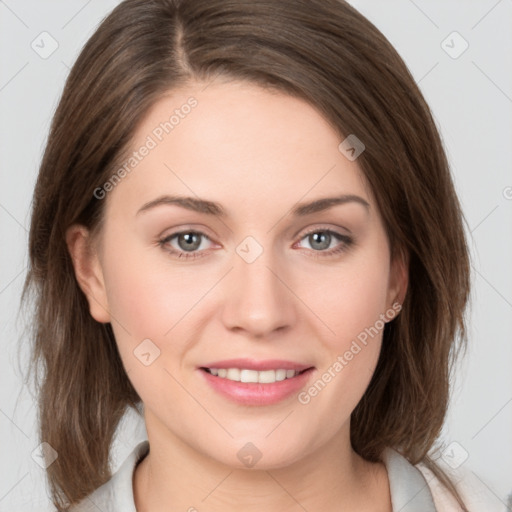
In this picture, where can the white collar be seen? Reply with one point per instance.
(410, 491)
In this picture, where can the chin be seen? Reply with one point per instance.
(260, 453)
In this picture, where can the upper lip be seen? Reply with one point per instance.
(252, 364)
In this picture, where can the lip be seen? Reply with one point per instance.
(252, 393)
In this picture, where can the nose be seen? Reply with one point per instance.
(258, 297)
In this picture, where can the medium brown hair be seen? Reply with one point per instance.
(322, 51)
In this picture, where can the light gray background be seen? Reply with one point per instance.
(471, 98)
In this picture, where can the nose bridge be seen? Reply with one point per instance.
(257, 301)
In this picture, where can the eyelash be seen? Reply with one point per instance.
(347, 242)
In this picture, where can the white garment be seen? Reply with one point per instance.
(413, 488)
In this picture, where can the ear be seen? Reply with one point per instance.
(398, 279)
(88, 271)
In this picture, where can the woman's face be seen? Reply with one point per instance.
(270, 284)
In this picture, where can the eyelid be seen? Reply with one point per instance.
(325, 227)
(344, 239)
(186, 228)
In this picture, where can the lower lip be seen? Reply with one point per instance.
(253, 393)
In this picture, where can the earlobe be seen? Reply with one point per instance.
(88, 271)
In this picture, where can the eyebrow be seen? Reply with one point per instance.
(215, 209)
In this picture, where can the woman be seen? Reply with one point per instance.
(244, 226)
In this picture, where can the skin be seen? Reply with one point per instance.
(257, 153)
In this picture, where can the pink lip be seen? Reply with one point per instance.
(252, 393)
(251, 364)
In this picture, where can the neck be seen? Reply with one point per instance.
(175, 476)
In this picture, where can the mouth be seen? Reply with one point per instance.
(250, 382)
(246, 375)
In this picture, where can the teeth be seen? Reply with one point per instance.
(267, 376)
(283, 374)
(244, 375)
(233, 374)
(249, 376)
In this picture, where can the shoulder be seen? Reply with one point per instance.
(408, 488)
(443, 498)
(117, 493)
(476, 495)
(417, 488)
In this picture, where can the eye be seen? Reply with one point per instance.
(187, 242)
(322, 239)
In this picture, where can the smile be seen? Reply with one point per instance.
(256, 383)
(246, 375)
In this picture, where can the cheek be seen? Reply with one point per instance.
(351, 304)
(148, 296)
(352, 299)
(152, 301)
(148, 305)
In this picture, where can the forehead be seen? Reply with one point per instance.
(240, 144)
